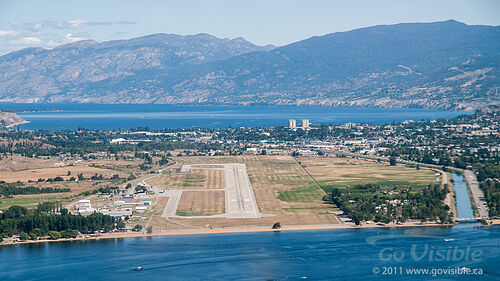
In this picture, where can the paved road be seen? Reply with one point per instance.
(477, 193)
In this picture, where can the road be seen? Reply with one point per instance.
(477, 193)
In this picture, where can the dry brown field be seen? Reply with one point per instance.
(284, 192)
(271, 178)
(24, 169)
(342, 172)
(16, 163)
(45, 173)
(31, 200)
(201, 203)
(195, 179)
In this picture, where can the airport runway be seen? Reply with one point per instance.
(239, 200)
(174, 197)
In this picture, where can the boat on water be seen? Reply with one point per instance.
(139, 268)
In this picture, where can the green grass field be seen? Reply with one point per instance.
(5, 203)
(328, 207)
(397, 181)
(301, 194)
(187, 214)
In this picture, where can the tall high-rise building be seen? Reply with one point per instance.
(292, 124)
(305, 123)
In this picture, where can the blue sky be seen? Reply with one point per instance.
(48, 23)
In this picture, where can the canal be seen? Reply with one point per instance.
(462, 198)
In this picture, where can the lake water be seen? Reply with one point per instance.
(106, 116)
(288, 255)
(463, 201)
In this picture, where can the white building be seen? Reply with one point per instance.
(292, 123)
(86, 211)
(118, 140)
(121, 213)
(305, 123)
(119, 203)
(82, 204)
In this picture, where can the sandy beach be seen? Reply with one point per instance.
(239, 229)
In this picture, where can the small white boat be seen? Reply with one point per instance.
(448, 239)
(139, 268)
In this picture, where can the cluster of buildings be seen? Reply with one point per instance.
(118, 209)
(368, 139)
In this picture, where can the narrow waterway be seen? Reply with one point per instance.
(464, 206)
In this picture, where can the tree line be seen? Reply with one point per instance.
(49, 220)
(9, 189)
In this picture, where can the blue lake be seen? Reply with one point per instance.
(106, 116)
(288, 255)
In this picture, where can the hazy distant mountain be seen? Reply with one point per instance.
(37, 74)
(441, 65)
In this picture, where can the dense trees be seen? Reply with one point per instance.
(392, 161)
(38, 223)
(368, 203)
(491, 189)
(489, 177)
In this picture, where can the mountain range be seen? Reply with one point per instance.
(447, 65)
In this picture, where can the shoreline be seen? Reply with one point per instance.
(17, 124)
(227, 230)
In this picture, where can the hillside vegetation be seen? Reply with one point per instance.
(447, 65)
